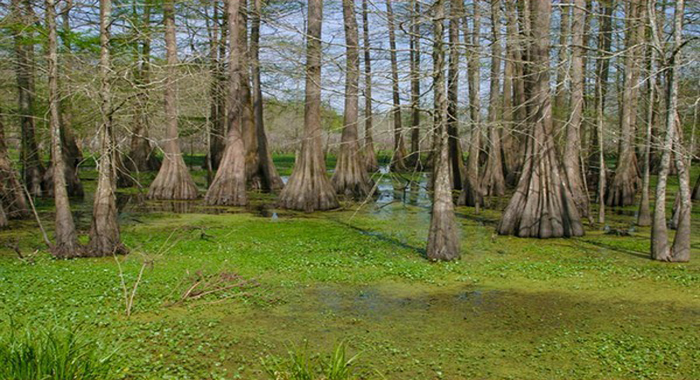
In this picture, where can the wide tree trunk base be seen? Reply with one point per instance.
(307, 192)
(173, 182)
(623, 188)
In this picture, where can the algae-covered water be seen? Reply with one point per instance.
(586, 308)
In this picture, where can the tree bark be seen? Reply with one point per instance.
(542, 205)
(457, 168)
(679, 251)
(271, 180)
(32, 169)
(11, 192)
(443, 238)
(229, 185)
(350, 177)
(105, 238)
(71, 151)
(173, 180)
(217, 111)
(644, 214)
(414, 159)
(602, 69)
(513, 99)
(308, 188)
(472, 190)
(141, 155)
(494, 180)
(625, 184)
(572, 148)
(66, 244)
(3, 216)
(560, 111)
(398, 161)
(368, 153)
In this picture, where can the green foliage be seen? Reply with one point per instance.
(54, 353)
(300, 365)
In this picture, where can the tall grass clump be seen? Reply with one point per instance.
(54, 354)
(300, 365)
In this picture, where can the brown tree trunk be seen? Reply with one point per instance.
(141, 155)
(3, 217)
(66, 239)
(560, 111)
(542, 205)
(104, 230)
(572, 148)
(512, 102)
(602, 72)
(271, 180)
(32, 169)
(398, 161)
(494, 180)
(350, 177)
(217, 112)
(680, 250)
(696, 190)
(414, 159)
(11, 192)
(644, 214)
(71, 151)
(173, 180)
(625, 184)
(229, 185)
(368, 153)
(457, 168)
(443, 237)
(472, 190)
(308, 188)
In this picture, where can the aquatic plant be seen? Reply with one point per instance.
(55, 353)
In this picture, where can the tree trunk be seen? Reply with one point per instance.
(308, 188)
(494, 180)
(141, 155)
(3, 216)
(11, 192)
(472, 190)
(105, 239)
(217, 112)
(680, 250)
(560, 112)
(443, 238)
(572, 148)
(457, 168)
(644, 214)
(71, 151)
(513, 93)
(229, 185)
(368, 153)
(32, 169)
(173, 180)
(66, 239)
(398, 161)
(602, 69)
(625, 184)
(271, 180)
(350, 177)
(414, 159)
(542, 205)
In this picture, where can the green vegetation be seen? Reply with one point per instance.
(56, 354)
(214, 290)
(300, 365)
